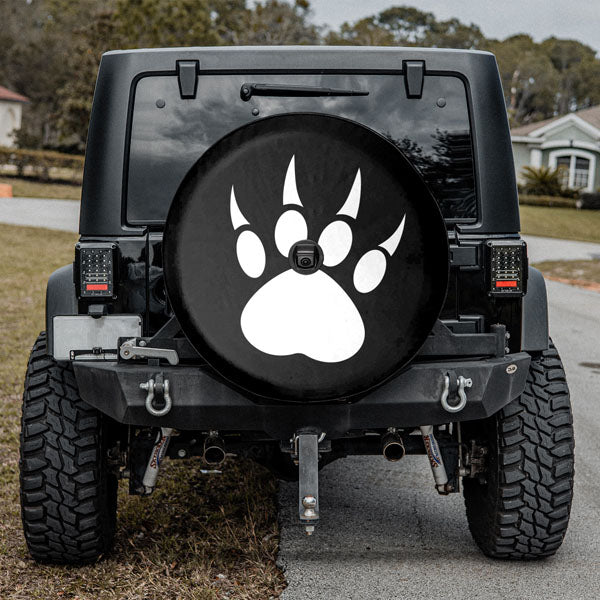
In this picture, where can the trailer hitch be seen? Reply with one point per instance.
(305, 450)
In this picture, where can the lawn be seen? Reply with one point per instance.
(29, 188)
(585, 273)
(198, 537)
(565, 223)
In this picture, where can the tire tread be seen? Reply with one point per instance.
(522, 512)
(68, 497)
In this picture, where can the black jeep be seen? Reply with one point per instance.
(297, 254)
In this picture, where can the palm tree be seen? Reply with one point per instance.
(543, 181)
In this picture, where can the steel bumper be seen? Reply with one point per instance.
(203, 402)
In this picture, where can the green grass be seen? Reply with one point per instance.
(29, 188)
(564, 223)
(198, 537)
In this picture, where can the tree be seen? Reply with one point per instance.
(578, 72)
(529, 79)
(51, 50)
(167, 23)
(76, 92)
(276, 22)
(454, 34)
(122, 24)
(33, 60)
(540, 80)
(407, 26)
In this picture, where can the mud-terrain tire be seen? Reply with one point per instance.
(521, 510)
(68, 494)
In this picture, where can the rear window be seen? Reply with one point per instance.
(169, 134)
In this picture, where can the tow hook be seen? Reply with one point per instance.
(156, 388)
(452, 390)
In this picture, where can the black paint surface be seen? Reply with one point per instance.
(166, 143)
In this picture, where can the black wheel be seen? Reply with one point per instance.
(68, 494)
(520, 508)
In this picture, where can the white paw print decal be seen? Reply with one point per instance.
(308, 314)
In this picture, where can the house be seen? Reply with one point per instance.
(11, 105)
(570, 142)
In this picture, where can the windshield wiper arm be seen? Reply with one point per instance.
(272, 89)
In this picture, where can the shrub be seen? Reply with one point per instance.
(43, 164)
(561, 201)
(591, 201)
(544, 181)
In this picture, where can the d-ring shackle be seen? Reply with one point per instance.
(156, 386)
(461, 383)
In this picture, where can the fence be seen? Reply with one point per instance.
(44, 165)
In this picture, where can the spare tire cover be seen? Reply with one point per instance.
(365, 218)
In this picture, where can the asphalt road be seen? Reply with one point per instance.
(39, 212)
(542, 248)
(64, 215)
(385, 533)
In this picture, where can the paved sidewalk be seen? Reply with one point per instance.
(39, 212)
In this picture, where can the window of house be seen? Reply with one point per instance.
(581, 173)
(574, 171)
(563, 165)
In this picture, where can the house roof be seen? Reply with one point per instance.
(10, 96)
(590, 115)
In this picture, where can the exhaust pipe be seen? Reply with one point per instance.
(214, 450)
(392, 446)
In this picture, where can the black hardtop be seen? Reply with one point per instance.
(105, 177)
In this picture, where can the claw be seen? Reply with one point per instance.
(391, 244)
(237, 218)
(336, 238)
(290, 191)
(370, 269)
(350, 207)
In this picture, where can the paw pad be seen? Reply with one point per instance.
(308, 314)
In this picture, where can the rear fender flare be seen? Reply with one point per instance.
(61, 299)
(534, 331)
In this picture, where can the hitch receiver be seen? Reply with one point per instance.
(308, 479)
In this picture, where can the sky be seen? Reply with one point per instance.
(572, 19)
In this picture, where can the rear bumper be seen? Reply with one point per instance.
(202, 402)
